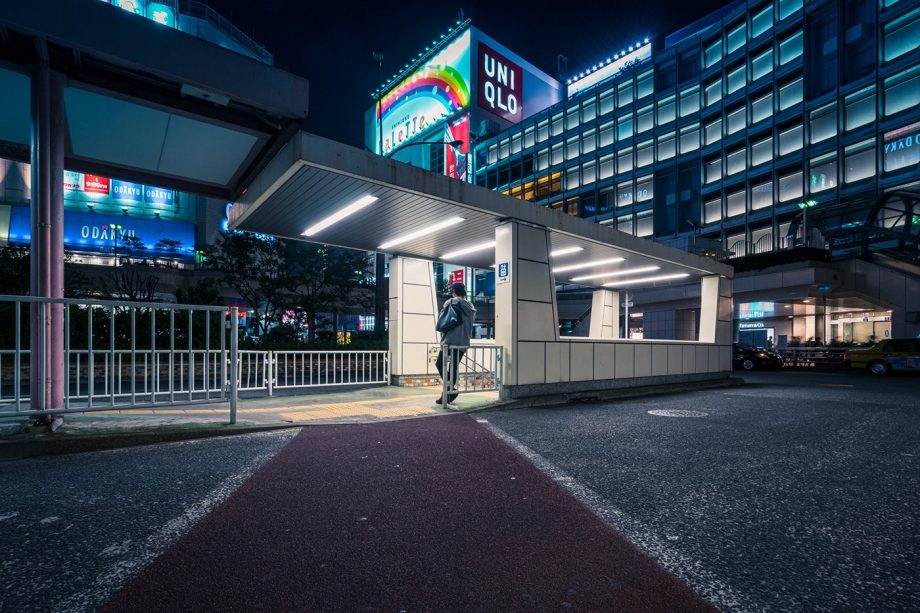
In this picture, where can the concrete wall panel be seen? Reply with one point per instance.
(625, 361)
(689, 359)
(659, 359)
(675, 360)
(581, 362)
(417, 299)
(534, 283)
(536, 321)
(604, 360)
(532, 244)
(643, 360)
(531, 363)
(557, 362)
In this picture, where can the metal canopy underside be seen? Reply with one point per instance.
(312, 178)
(134, 98)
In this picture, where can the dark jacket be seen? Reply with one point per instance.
(461, 335)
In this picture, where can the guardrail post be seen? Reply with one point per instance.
(234, 361)
(271, 373)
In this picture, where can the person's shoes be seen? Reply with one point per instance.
(438, 401)
(452, 407)
(451, 397)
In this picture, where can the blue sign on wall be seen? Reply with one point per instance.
(156, 195)
(128, 192)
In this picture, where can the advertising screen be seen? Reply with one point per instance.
(438, 89)
(455, 158)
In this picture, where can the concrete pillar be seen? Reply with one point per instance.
(47, 242)
(413, 314)
(605, 314)
(716, 310)
(526, 315)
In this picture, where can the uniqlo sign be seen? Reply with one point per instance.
(500, 84)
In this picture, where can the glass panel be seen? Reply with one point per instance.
(503, 148)
(735, 80)
(625, 127)
(790, 140)
(516, 143)
(762, 151)
(624, 160)
(605, 170)
(558, 124)
(588, 141)
(571, 118)
(860, 109)
(735, 39)
(823, 174)
(788, 7)
(624, 93)
(823, 124)
(666, 146)
(644, 85)
(713, 92)
(860, 164)
(493, 154)
(528, 137)
(644, 223)
(571, 148)
(762, 65)
(790, 48)
(902, 147)
(588, 175)
(588, 110)
(644, 119)
(734, 162)
(666, 111)
(690, 102)
(902, 91)
(712, 211)
(790, 94)
(762, 108)
(713, 170)
(645, 188)
(902, 35)
(735, 204)
(790, 187)
(624, 193)
(625, 224)
(606, 102)
(542, 159)
(762, 21)
(557, 154)
(713, 54)
(735, 120)
(713, 132)
(606, 135)
(571, 177)
(690, 139)
(542, 130)
(645, 154)
(762, 196)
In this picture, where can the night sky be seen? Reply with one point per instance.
(331, 43)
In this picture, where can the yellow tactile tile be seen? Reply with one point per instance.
(355, 410)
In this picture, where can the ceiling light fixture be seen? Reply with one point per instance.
(646, 280)
(429, 230)
(351, 209)
(472, 249)
(619, 272)
(566, 251)
(588, 264)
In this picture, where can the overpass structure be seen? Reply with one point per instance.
(322, 191)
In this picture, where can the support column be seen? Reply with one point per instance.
(716, 315)
(47, 241)
(413, 315)
(605, 314)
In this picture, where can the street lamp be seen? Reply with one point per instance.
(808, 204)
(115, 228)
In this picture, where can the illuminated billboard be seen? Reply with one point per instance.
(607, 69)
(456, 158)
(500, 84)
(437, 90)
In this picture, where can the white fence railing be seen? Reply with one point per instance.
(479, 369)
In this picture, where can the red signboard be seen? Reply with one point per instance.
(95, 185)
(500, 84)
(455, 158)
(456, 276)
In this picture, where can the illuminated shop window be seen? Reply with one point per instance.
(859, 108)
(667, 146)
(589, 141)
(528, 137)
(571, 147)
(713, 92)
(762, 151)
(690, 101)
(605, 167)
(734, 80)
(515, 143)
(762, 64)
(902, 147)
(645, 188)
(788, 7)
(589, 172)
(902, 91)
(822, 123)
(735, 162)
(625, 223)
(735, 120)
(606, 135)
(822, 173)
(762, 108)
(606, 102)
(714, 131)
(761, 196)
(735, 204)
(859, 161)
(624, 93)
(712, 170)
(712, 211)
(588, 110)
(790, 48)
(543, 159)
(558, 124)
(790, 140)
(735, 39)
(690, 138)
(645, 119)
(789, 187)
(624, 160)
(624, 193)
(902, 35)
(625, 127)
(666, 110)
(713, 54)
(543, 130)
(571, 119)
(504, 147)
(644, 85)
(645, 154)
(644, 223)
(762, 21)
(790, 94)
(557, 154)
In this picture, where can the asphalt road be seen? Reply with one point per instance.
(797, 492)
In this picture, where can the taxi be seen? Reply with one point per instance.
(891, 354)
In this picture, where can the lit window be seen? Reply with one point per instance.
(606, 102)
(823, 123)
(644, 223)
(625, 127)
(902, 91)
(588, 172)
(625, 223)
(762, 151)
(644, 189)
(735, 162)
(790, 187)
(735, 204)
(515, 143)
(624, 193)
(606, 135)
(713, 170)
(859, 108)
(666, 109)
(503, 148)
(645, 119)
(713, 54)
(644, 85)
(624, 93)
(624, 160)
(690, 138)
(645, 154)
(859, 161)
(762, 65)
(735, 120)
(790, 94)
(737, 243)
(762, 21)
(571, 118)
(542, 130)
(571, 148)
(588, 110)
(902, 35)
(713, 92)
(589, 141)
(762, 108)
(790, 48)
(666, 146)
(712, 211)
(558, 124)
(557, 154)
(571, 177)
(735, 39)
(790, 140)
(788, 7)
(493, 154)
(822, 173)
(542, 159)
(690, 101)
(762, 239)
(528, 137)
(761, 196)
(902, 147)
(734, 80)
(605, 167)
(714, 132)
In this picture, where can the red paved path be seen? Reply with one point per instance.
(420, 515)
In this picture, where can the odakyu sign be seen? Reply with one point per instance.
(123, 191)
(500, 84)
(902, 147)
(437, 90)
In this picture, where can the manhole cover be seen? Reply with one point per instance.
(677, 413)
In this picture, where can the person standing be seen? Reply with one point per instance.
(456, 337)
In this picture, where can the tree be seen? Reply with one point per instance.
(15, 270)
(170, 247)
(127, 285)
(258, 269)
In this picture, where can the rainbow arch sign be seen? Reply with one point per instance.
(439, 89)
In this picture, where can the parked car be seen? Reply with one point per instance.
(747, 357)
(902, 354)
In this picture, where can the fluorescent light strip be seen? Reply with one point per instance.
(619, 272)
(588, 264)
(429, 230)
(351, 209)
(566, 251)
(472, 249)
(646, 280)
